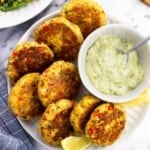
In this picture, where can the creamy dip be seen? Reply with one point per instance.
(111, 71)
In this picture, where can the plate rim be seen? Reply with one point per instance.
(3, 26)
(29, 31)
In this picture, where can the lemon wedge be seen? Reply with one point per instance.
(141, 99)
(75, 143)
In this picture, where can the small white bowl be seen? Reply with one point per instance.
(123, 32)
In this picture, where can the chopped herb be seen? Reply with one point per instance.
(8, 5)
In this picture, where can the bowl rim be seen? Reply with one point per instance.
(82, 71)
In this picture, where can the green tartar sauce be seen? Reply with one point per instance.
(109, 70)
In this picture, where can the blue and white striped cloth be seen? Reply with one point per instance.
(12, 135)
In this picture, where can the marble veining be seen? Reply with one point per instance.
(131, 12)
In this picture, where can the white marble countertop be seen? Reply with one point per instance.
(131, 12)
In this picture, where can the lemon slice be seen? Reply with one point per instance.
(75, 143)
(141, 99)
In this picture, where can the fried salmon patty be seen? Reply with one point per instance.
(60, 80)
(28, 57)
(82, 111)
(87, 14)
(106, 123)
(23, 98)
(54, 124)
(62, 36)
(147, 2)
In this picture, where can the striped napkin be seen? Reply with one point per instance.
(12, 135)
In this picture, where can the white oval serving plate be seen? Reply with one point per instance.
(135, 115)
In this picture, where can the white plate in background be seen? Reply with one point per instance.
(135, 115)
(15, 17)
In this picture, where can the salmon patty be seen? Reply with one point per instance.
(54, 124)
(87, 14)
(147, 2)
(28, 57)
(23, 98)
(62, 36)
(106, 123)
(60, 80)
(82, 111)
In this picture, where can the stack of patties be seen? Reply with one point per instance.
(25, 64)
(44, 78)
(101, 122)
(64, 34)
(28, 57)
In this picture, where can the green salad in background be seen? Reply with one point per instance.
(8, 5)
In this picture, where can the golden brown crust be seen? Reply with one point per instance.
(60, 80)
(106, 124)
(23, 99)
(28, 57)
(62, 36)
(82, 111)
(88, 15)
(54, 124)
(147, 2)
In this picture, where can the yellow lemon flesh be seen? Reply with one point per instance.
(141, 99)
(75, 143)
